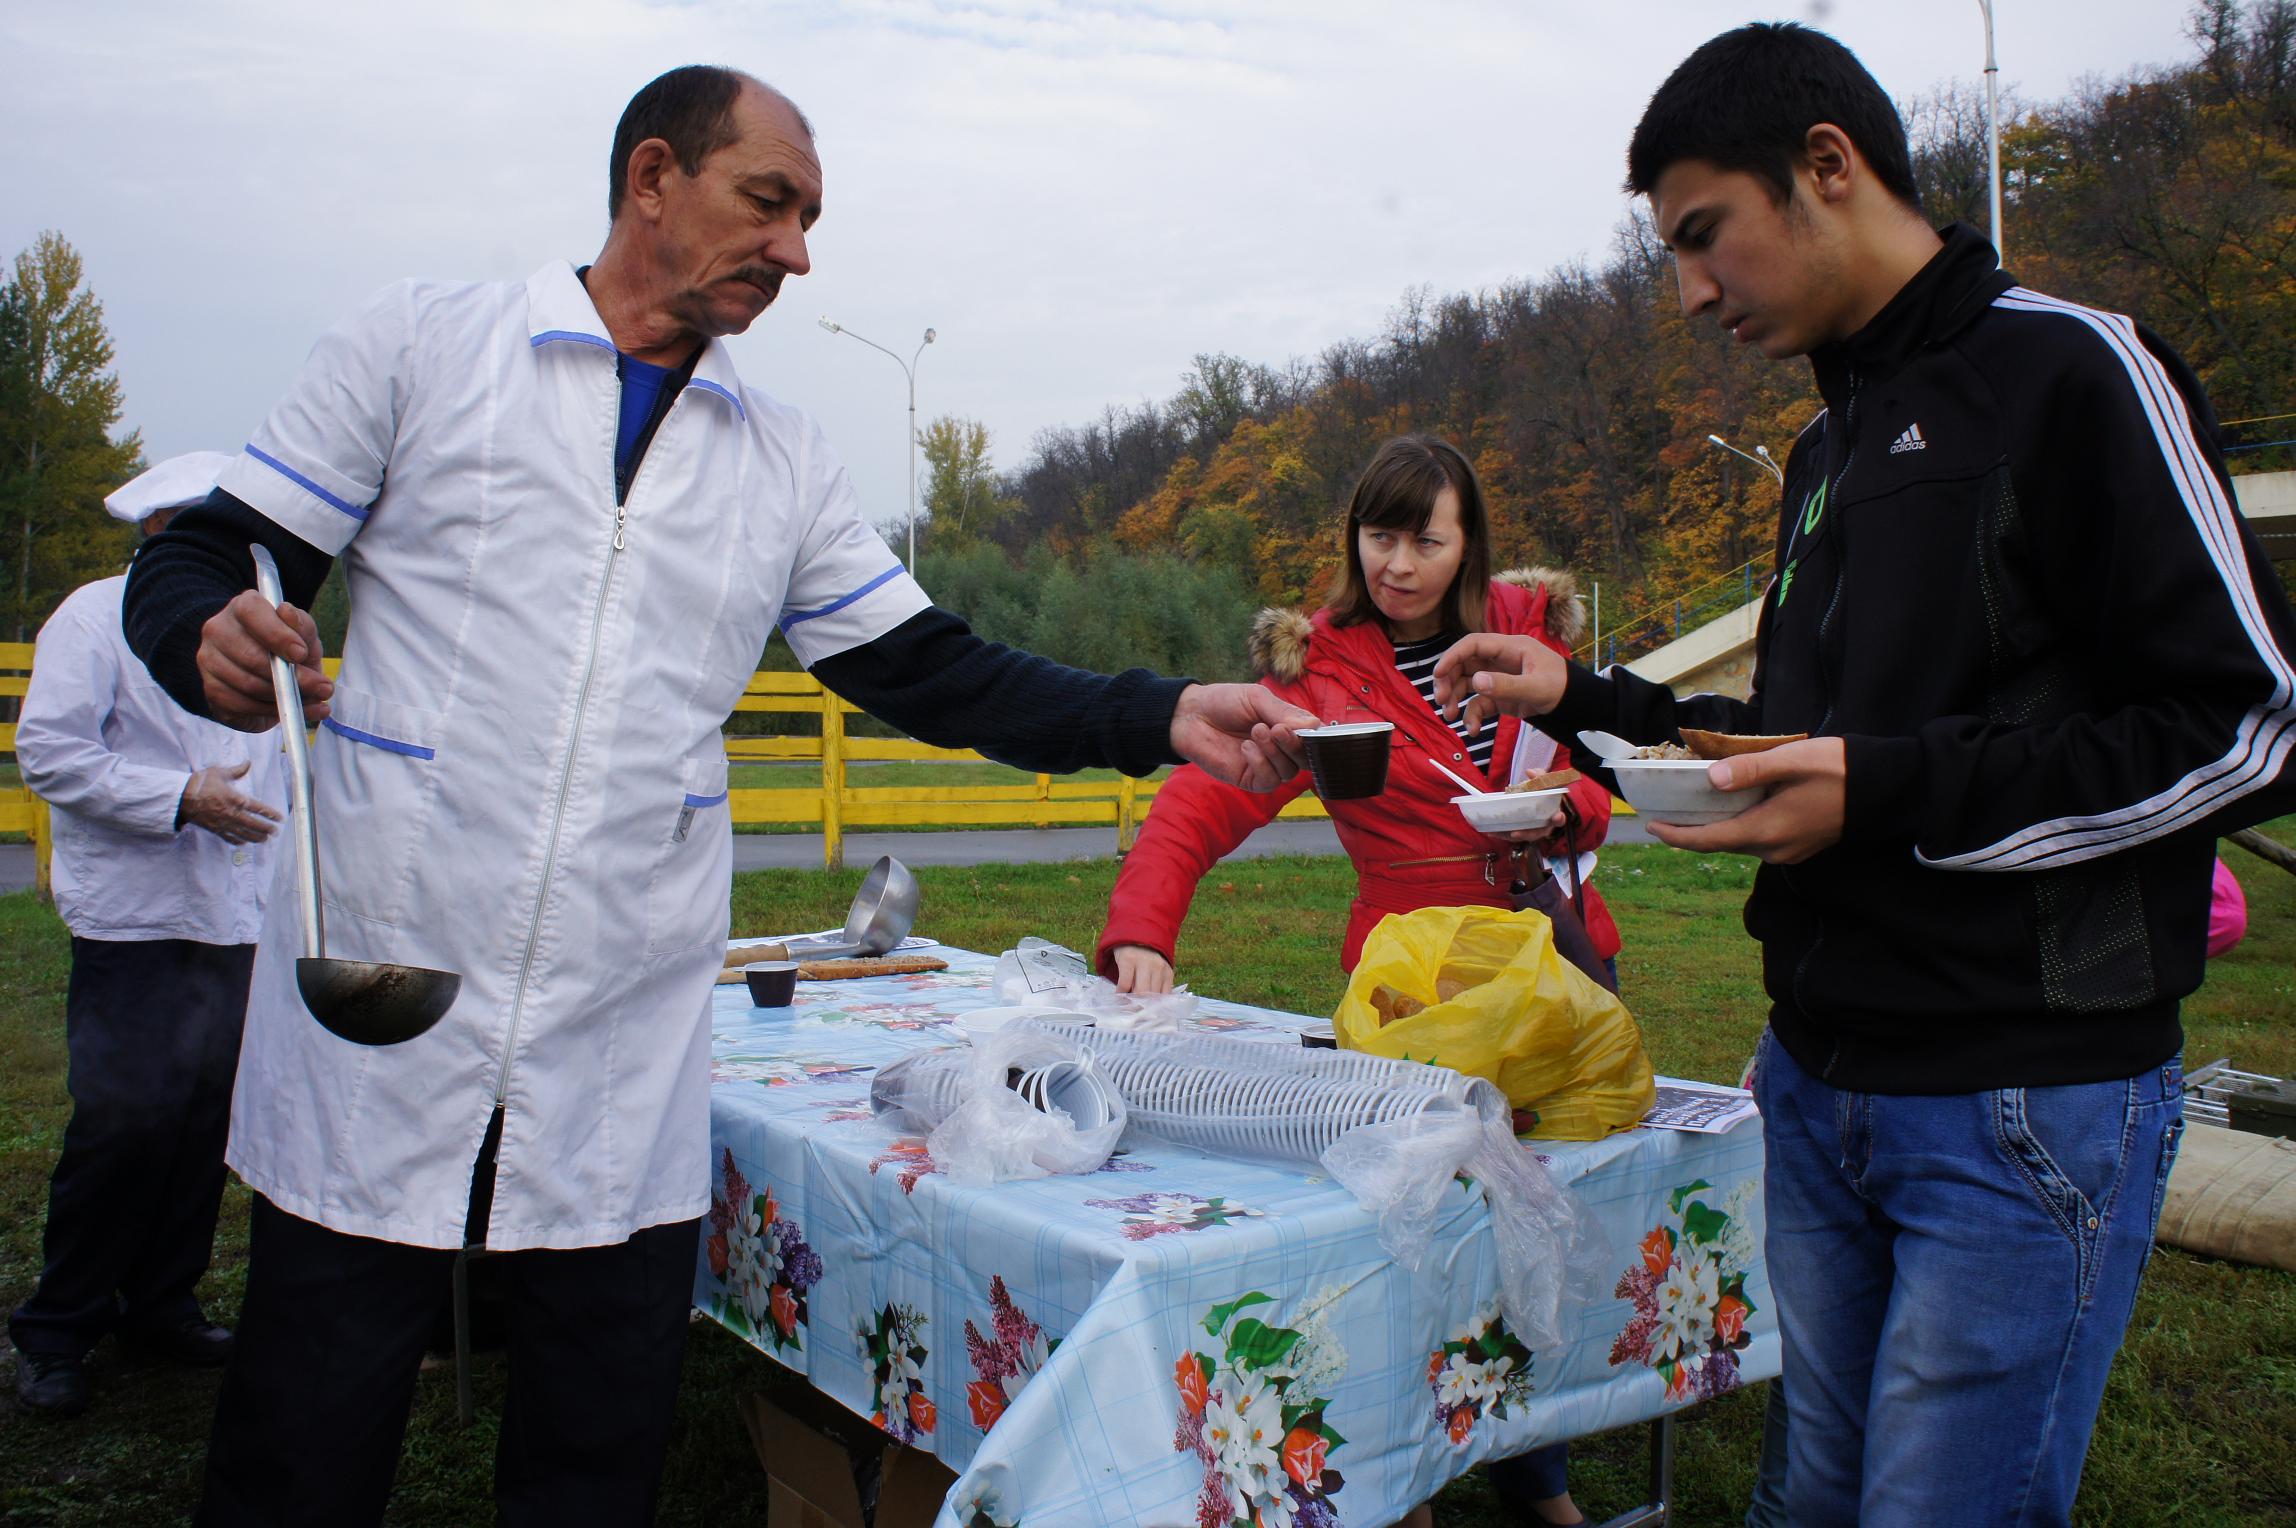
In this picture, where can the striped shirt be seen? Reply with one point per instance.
(1415, 661)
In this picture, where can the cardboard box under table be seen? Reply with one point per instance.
(1125, 1346)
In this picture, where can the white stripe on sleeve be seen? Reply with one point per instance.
(2266, 734)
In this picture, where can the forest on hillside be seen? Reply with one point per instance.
(1585, 400)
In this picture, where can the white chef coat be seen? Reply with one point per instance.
(522, 778)
(110, 753)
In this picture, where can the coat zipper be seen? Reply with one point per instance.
(1841, 546)
(565, 782)
(1835, 508)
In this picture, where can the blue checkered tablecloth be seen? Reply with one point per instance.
(1183, 1339)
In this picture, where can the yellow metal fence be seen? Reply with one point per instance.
(834, 805)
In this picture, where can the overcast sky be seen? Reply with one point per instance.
(1078, 196)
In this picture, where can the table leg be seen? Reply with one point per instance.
(1658, 1511)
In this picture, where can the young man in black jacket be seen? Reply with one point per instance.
(2042, 662)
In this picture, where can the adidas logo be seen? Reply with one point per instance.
(1910, 441)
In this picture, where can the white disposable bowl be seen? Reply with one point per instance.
(1677, 792)
(1509, 813)
(979, 1023)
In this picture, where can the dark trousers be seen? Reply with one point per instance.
(314, 1405)
(1535, 1476)
(152, 1030)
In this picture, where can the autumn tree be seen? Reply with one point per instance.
(963, 498)
(59, 401)
(1586, 400)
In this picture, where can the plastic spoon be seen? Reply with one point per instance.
(1609, 749)
(1472, 790)
(366, 1002)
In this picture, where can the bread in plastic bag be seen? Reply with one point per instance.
(1494, 999)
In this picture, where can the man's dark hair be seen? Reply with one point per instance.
(690, 109)
(1746, 100)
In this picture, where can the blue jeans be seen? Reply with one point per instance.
(1953, 1276)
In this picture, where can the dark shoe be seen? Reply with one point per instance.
(198, 1342)
(53, 1384)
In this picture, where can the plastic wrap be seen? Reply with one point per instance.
(1037, 973)
(1024, 1102)
(1395, 1133)
(1550, 1253)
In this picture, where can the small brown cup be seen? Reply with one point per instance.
(1348, 760)
(772, 983)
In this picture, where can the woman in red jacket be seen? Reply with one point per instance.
(1418, 578)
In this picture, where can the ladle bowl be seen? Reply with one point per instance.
(366, 1002)
(883, 912)
(372, 1002)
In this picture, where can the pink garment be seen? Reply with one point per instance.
(2227, 911)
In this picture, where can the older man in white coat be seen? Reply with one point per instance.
(162, 861)
(568, 526)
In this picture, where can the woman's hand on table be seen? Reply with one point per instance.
(1140, 969)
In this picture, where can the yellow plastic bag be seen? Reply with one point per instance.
(1501, 1003)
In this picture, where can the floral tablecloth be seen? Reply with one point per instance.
(1182, 1339)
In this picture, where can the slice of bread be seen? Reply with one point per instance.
(1553, 779)
(1724, 745)
(867, 965)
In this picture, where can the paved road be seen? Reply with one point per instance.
(758, 851)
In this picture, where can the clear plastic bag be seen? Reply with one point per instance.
(1025, 1102)
(1395, 1133)
(1550, 1250)
(1037, 973)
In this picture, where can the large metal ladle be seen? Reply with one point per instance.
(883, 912)
(366, 1002)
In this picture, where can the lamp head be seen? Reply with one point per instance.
(929, 336)
(834, 328)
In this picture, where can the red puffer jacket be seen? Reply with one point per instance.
(1410, 846)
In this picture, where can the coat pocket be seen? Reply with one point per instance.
(376, 775)
(688, 895)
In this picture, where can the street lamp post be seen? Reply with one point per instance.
(1761, 458)
(1992, 122)
(909, 370)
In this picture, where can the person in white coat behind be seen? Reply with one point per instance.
(162, 860)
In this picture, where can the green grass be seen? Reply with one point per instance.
(2195, 1423)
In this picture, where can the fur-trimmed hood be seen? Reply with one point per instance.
(1279, 638)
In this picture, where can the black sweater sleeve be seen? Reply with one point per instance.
(934, 679)
(930, 676)
(191, 570)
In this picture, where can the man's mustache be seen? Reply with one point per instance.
(764, 277)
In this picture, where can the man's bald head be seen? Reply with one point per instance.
(692, 110)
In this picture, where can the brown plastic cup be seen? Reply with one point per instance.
(1348, 760)
(772, 983)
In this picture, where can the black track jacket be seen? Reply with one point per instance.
(2012, 578)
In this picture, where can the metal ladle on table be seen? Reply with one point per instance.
(883, 912)
(366, 1002)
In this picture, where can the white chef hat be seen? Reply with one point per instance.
(173, 484)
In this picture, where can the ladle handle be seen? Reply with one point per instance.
(290, 699)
